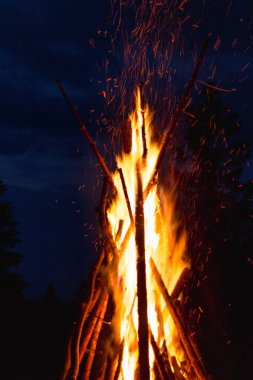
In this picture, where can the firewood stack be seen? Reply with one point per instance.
(94, 350)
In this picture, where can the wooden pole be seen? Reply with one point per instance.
(183, 317)
(90, 325)
(143, 335)
(159, 360)
(119, 231)
(111, 365)
(165, 357)
(126, 196)
(143, 127)
(67, 361)
(83, 129)
(201, 375)
(93, 345)
(104, 225)
(95, 272)
(120, 357)
(175, 117)
(181, 283)
(77, 333)
(176, 368)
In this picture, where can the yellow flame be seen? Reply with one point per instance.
(161, 243)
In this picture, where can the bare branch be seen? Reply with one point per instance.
(85, 132)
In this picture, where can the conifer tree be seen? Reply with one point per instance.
(11, 284)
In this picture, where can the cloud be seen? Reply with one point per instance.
(31, 31)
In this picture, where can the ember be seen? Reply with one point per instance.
(142, 268)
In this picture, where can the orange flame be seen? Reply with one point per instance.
(161, 243)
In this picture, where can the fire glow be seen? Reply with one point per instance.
(167, 251)
(141, 269)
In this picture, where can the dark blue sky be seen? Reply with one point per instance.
(53, 180)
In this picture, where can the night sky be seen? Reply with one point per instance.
(53, 180)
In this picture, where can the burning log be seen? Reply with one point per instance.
(201, 375)
(143, 335)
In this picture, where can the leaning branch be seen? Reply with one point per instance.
(120, 357)
(158, 359)
(93, 345)
(175, 117)
(123, 182)
(105, 227)
(90, 324)
(200, 374)
(84, 131)
(181, 283)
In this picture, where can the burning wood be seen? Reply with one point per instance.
(117, 373)
(182, 283)
(126, 196)
(93, 345)
(88, 332)
(200, 373)
(143, 339)
(159, 361)
(149, 337)
(143, 127)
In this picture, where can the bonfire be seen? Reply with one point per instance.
(133, 325)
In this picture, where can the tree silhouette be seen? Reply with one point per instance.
(11, 284)
(12, 303)
(216, 205)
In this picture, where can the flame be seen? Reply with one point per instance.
(161, 243)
